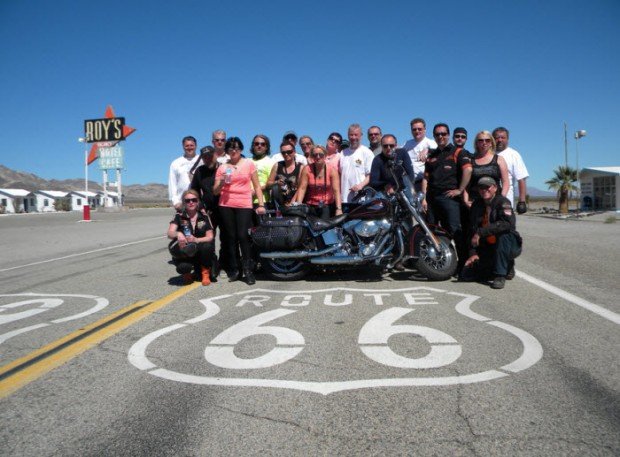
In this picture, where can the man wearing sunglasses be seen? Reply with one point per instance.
(446, 176)
(355, 163)
(459, 138)
(374, 139)
(381, 178)
(218, 138)
(179, 176)
(418, 148)
(495, 242)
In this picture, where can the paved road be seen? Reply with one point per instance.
(343, 364)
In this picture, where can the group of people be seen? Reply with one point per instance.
(469, 194)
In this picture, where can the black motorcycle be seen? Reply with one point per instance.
(379, 230)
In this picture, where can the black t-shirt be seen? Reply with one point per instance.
(203, 181)
(444, 167)
(291, 180)
(203, 224)
(490, 169)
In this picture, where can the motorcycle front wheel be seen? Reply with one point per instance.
(286, 269)
(436, 266)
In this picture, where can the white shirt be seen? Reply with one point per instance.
(298, 158)
(516, 170)
(178, 178)
(223, 158)
(414, 149)
(354, 167)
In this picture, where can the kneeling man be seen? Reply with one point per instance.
(496, 242)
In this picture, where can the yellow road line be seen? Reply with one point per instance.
(24, 370)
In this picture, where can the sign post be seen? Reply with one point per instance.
(105, 134)
(111, 158)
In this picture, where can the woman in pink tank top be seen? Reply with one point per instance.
(319, 187)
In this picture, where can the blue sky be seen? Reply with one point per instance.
(190, 67)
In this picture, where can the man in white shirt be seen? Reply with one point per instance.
(179, 175)
(516, 168)
(355, 164)
(418, 148)
(218, 138)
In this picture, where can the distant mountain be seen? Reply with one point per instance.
(536, 192)
(11, 179)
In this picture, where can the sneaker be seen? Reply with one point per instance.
(511, 272)
(498, 282)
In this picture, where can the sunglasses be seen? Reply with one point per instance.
(388, 145)
(483, 188)
(318, 155)
(287, 152)
(306, 144)
(219, 140)
(483, 140)
(191, 200)
(417, 129)
(460, 136)
(441, 134)
(335, 140)
(257, 143)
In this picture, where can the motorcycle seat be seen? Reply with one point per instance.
(318, 224)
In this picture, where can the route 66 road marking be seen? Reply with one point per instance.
(32, 304)
(443, 349)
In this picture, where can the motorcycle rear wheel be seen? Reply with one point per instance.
(436, 266)
(286, 269)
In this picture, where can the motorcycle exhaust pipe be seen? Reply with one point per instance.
(352, 259)
(299, 254)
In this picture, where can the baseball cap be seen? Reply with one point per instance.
(486, 181)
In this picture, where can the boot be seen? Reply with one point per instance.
(233, 275)
(248, 273)
(206, 275)
(188, 278)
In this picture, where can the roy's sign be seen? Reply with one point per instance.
(106, 129)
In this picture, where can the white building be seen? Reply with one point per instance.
(17, 201)
(600, 188)
(80, 198)
(48, 200)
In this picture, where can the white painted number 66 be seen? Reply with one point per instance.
(220, 351)
(373, 339)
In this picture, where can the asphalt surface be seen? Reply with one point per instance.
(338, 364)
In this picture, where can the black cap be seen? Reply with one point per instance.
(459, 130)
(486, 181)
(290, 135)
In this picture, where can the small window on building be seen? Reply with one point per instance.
(79, 201)
(46, 202)
(4, 202)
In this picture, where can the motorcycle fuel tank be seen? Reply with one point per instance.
(378, 208)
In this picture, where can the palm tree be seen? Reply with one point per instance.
(562, 182)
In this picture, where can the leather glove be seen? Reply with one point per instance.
(521, 207)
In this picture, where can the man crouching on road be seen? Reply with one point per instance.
(496, 242)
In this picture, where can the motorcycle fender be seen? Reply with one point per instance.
(417, 234)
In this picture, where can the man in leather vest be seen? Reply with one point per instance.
(495, 242)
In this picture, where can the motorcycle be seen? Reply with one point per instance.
(379, 230)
